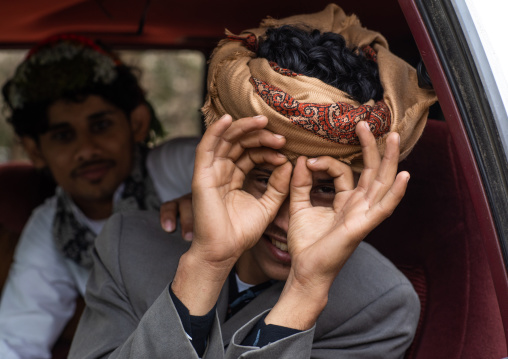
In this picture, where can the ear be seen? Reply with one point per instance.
(33, 150)
(140, 122)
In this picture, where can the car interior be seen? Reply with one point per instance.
(437, 235)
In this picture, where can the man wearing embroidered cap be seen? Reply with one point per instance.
(277, 267)
(82, 117)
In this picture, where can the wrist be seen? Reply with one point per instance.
(198, 283)
(298, 306)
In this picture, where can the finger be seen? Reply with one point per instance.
(387, 171)
(301, 184)
(370, 154)
(259, 138)
(257, 156)
(343, 179)
(237, 130)
(277, 189)
(385, 207)
(167, 215)
(205, 151)
(186, 217)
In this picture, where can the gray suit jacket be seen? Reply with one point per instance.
(372, 310)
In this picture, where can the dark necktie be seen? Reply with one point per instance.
(239, 300)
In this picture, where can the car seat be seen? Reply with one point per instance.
(433, 239)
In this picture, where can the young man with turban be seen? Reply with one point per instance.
(82, 117)
(277, 267)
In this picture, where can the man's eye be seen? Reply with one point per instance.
(62, 136)
(262, 180)
(100, 125)
(324, 189)
(322, 195)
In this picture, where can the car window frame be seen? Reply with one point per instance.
(447, 57)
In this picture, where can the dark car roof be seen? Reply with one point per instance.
(186, 24)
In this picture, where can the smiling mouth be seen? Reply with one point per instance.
(280, 245)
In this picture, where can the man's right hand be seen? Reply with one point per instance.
(228, 220)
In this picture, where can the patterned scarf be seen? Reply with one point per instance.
(74, 239)
(317, 119)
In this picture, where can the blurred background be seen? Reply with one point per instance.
(173, 80)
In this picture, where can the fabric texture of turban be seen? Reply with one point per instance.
(317, 119)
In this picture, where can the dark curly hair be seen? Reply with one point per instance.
(70, 80)
(31, 120)
(324, 56)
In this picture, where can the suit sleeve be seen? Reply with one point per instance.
(296, 346)
(383, 329)
(109, 327)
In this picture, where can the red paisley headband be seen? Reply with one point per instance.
(334, 122)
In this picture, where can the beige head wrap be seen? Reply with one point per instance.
(316, 118)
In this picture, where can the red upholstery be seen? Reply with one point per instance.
(22, 188)
(433, 239)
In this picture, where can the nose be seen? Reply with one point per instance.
(87, 148)
(282, 218)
